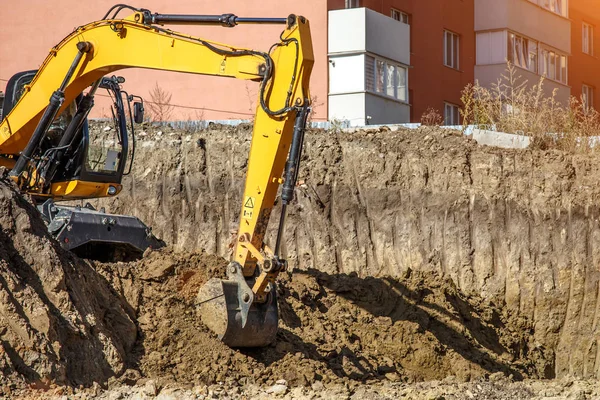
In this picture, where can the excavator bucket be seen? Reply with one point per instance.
(227, 308)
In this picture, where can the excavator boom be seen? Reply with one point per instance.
(242, 309)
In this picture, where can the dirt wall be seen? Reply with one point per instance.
(516, 228)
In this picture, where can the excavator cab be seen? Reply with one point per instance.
(96, 155)
(70, 152)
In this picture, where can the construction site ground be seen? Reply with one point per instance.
(421, 265)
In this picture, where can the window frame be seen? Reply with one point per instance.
(554, 65)
(526, 50)
(558, 7)
(587, 40)
(401, 15)
(379, 83)
(454, 53)
(454, 108)
(587, 97)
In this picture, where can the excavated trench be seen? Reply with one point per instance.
(514, 233)
(415, 255)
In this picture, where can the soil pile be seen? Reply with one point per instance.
(60, 322)
(334, 329)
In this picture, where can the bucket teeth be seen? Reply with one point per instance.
(226, 307)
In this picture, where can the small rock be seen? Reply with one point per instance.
(170, 394)
(497, 376)
(115, 396)
(278, 390)
(392, 377)
(155, 356)
(200, 390)
(150, 388)
(281, 382)
(96, 389)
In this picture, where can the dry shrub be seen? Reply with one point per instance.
(511, 105)
(314, 105)
(432, 117)
(159, 105)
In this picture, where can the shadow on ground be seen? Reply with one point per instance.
(434, 307)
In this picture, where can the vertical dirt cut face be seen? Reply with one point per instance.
(60, 321)
(514, 231)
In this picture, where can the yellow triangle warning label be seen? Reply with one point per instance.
(249, 203)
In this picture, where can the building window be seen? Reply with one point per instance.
(400, 16)
(451, 49)
(588, 39)
(554, 66)
(386, 78)
(522, 52)
(587, 97)
(451, 114)
(352, 3)
(559, 7)
(533, 56)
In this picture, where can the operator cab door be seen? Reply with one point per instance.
(96, 155)
(14, 90)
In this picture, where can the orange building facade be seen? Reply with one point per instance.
(35, 26)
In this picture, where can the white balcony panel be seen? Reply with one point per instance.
(348, 107)
(364, 30)
(347, 31)
(491, 47)
(381, 110)
(346, 74)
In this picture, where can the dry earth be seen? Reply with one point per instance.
(515, 229)
(417, 256)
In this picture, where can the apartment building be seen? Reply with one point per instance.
(453, 43)
(441, 54)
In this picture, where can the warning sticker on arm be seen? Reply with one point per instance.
(248, 209)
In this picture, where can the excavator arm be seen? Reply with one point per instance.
(241, 309)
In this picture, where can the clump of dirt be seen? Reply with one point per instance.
(60, 322)
(338, 329)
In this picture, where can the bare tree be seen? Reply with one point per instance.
(160, 106)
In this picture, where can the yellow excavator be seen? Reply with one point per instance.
(52, 155)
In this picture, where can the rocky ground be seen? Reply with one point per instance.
(422, 266)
